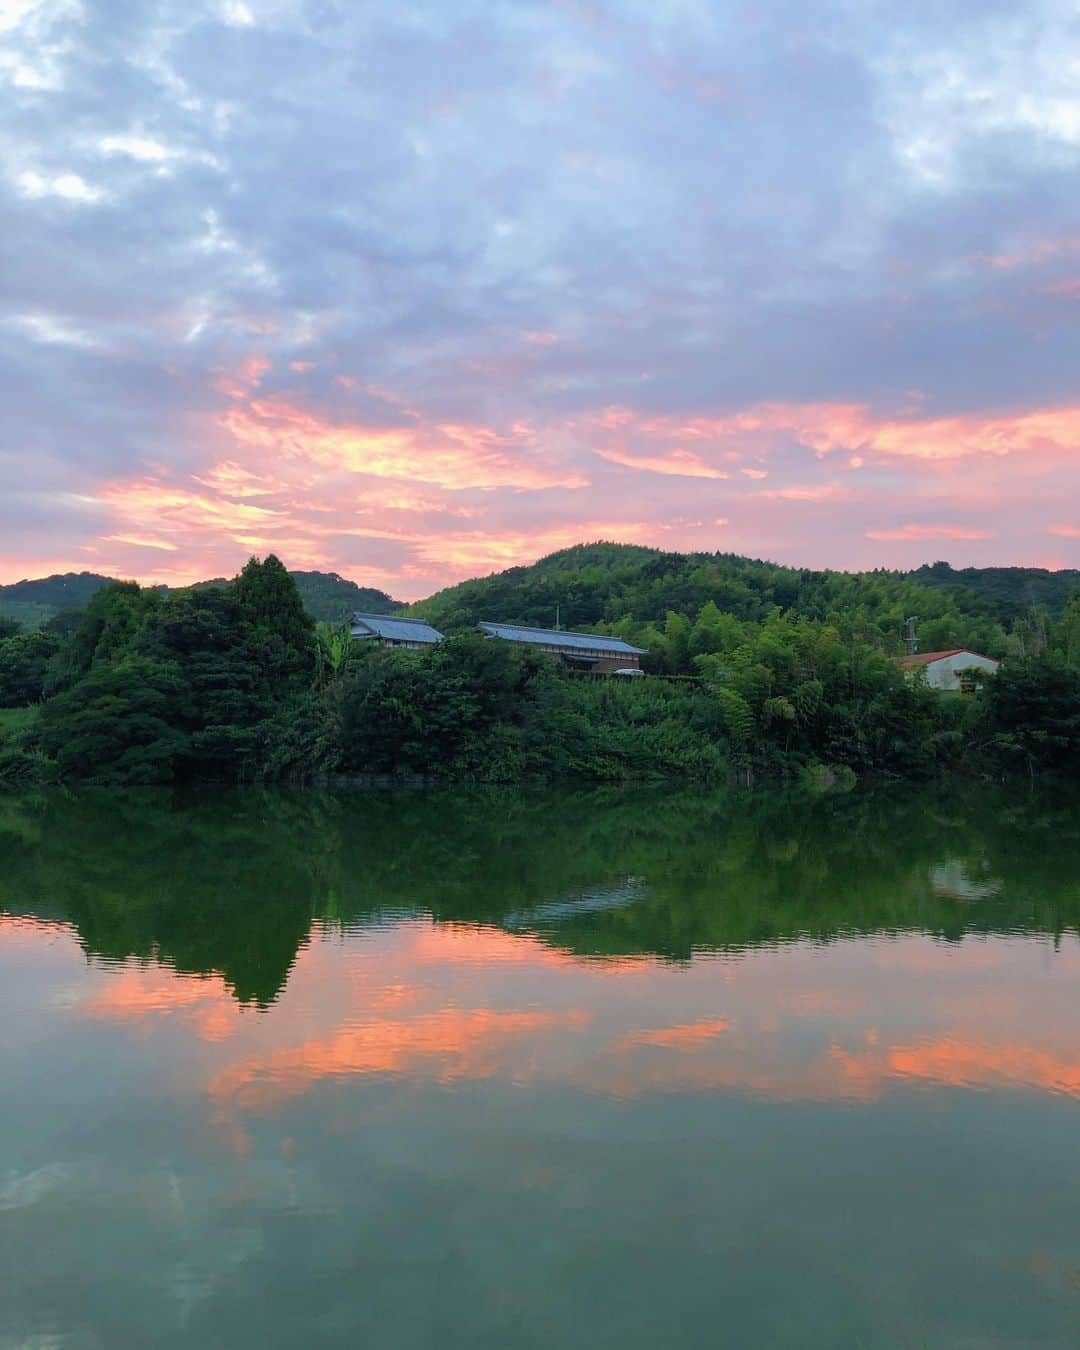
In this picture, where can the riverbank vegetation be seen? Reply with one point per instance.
(757, 671)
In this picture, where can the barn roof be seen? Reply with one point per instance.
(551, 637)
(928, 658)
(394, 628)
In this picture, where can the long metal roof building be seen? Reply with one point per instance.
(394, 630)
(586, 643)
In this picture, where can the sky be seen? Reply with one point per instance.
(418, 290)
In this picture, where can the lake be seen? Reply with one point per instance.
(618, 1069)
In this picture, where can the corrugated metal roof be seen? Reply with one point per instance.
(549, 637)
(394, 628)
(928, 658)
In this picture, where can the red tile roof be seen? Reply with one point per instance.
(928, 658)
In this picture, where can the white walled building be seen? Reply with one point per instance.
(945, 670)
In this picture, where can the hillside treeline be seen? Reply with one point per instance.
(655, 599)
(236, 683)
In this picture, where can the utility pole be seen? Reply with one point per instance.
(558, 611)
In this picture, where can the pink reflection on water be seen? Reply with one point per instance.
(447, 1004)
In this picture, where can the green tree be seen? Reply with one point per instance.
(24, 665)
(281, 628)
(1066, 638)
(1031, 715)
(117, 725)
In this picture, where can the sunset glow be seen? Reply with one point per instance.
(488, 307)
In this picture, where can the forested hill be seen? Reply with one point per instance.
(332, 598)
(641, 592)
(326, 596)
(1008, 591)
(33, 603)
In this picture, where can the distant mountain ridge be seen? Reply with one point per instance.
(327, 596)
(602, 584)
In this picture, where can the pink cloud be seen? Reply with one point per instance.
(453, 455)
(1037, 251)
(809, 492)
(410, 501)
(827, 427)
(247, 376)
(678, 463)
(1069, 288)
(139, 542)
(904, 532)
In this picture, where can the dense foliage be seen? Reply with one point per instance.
(1006, 591)
(643, 594)
(762, 671)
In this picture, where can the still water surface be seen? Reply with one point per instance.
(521, 1071)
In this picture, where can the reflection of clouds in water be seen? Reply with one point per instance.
(717, 1002)
(136, 994)
(445, 1046)
(793, 1023)
(953, 1062)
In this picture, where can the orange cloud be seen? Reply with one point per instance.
(1064, 531)
(236, 481)
(139, 542)
(452, 455)
(486, 550)
(150, 499)
(171, 516)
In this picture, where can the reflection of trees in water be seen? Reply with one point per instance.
(232, 881)
(961, 879)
